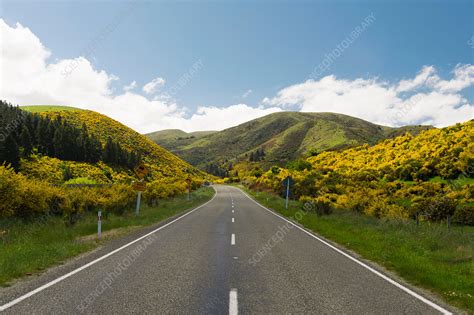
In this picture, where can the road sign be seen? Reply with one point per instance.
(139, 186)
(141, 171)
(288, 181)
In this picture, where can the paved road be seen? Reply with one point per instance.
(227, 256)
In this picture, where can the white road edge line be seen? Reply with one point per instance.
(232, 240)
(381, 275)
(233, 303)
(49, 284)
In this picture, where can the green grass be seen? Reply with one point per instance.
(461, 181)
(427, 256)
(48, 108)
(32, 247)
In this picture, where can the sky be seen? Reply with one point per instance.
(210, 65)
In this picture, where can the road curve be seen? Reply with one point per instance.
(229, 256)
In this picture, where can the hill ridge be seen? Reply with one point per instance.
(283, 136)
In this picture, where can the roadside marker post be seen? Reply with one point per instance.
(188, 180)
(99, 224)
(141, 171)
(287, 182)
(139, 187)
(139, 197)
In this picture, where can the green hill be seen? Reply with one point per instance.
(162, 163)
(49, 108)
(173, 138)
(283, 136)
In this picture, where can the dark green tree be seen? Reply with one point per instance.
(25, 142)
(11, 152)
(58, 144)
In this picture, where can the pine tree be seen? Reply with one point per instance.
(25, 141)
(48, 140)
(109, 154)
(11, 152)
(58, 144)
(251, 157)
(95, 150)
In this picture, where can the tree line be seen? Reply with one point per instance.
(256, 156)
(23, 133)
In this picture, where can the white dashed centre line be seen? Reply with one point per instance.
(232, 220)
(232, 240)
(233, 304)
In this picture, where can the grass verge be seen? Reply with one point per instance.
(31, 247)
(428, 256)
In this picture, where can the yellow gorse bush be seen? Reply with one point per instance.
(387, 179)
(24, 197)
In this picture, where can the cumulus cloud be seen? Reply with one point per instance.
(426, 75)
(425, 99)
(220, 117)
(131, 86)
(463, 78)
(28, 76)
(247, 93)
(152, 86)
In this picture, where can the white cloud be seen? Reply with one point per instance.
(131, 86)
(463, 78)
(247, 93)
(424, 76)
(218, 118)
(425, 99)
(28, 76)
(152, 86)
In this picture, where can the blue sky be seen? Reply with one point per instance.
(260, 46)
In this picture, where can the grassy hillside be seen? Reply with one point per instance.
(283, 137)
(447, 153)
(428, 175)
(162, 163)
(49, 108)
(174, 138)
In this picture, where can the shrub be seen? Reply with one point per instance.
(20, 196)
(57, 200)
(80, 181)
(464, 215)
(434, 208)
(322, 207)
(9, 192)
(377, 208)
(118, 198)
(73, 207)
(34, 198)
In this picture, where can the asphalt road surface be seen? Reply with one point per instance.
(230, 255)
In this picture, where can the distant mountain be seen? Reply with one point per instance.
(282, 137)
(173, 138)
